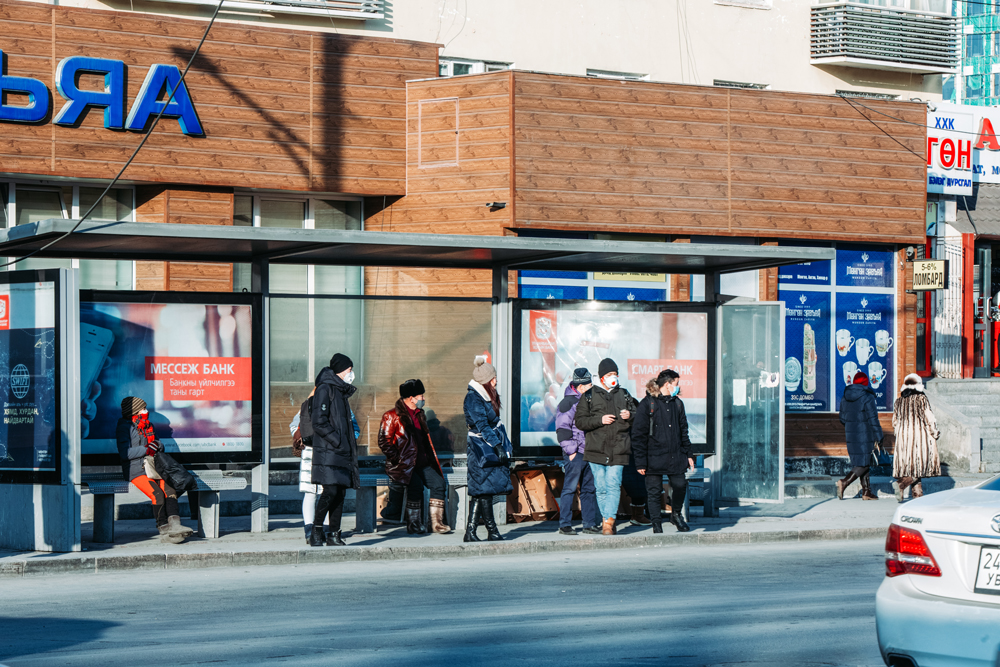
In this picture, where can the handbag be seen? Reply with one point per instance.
(881, 462)
(492, 456)
(149, 465)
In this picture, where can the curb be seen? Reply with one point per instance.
(311, 556)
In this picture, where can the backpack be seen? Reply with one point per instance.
(304, 433)
(630, 403)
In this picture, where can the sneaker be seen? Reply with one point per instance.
(592, 530)
(566, 530)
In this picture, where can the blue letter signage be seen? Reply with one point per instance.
(160, 80)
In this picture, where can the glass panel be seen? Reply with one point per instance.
(921, 310)
(975, 45)
(921, 345)
(36, 205)
(332, 214)
(389, 341)
(242, 279)
(116, 205)
(287, 215)
(4, 201)
(105, 274)
(974, 86)
(66, 192)
(243, 211)
(752, 451)
(461, 68)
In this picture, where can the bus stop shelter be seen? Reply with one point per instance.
(264, 248)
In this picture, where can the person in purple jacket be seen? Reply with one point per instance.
(578, 473)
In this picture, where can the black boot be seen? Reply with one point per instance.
(318, 538)
(491, 524)
(413, 522)
(333, 539)
(309, 531)
(677, 519)
(472, 523)
(657, 525)
(393, 510)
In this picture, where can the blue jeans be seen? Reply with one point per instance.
(578, 473)
(608, 480)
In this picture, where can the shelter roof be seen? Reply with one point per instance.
(222, 243)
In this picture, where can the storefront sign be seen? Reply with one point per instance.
(863, 338)
(930, 274)
(28, 434)
(807, 351)
(160, 80)
(949, 151)
(863, 267)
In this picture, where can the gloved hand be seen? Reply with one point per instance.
(153, 447)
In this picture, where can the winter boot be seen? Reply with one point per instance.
(413, 523)
(917, 491)
(677, 519)
(901, 485)
(842, 484)
(473, 522)
(639, 516)
(657, 525)
(493, 533)
(333, 539)
(165, 535)
(608, 527)
(438, 524)
(309, 530)
(393, 510)
(318, 538)
(866, 489)
(177, 528)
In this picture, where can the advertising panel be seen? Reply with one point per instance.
(807, 351)
(859, 266)
(556, 341)
(950, 159)
(29, 433)
(807, 273)
(863, 338)
(190, 362)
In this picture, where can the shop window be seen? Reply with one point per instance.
(38, 205)
(243, 211)
(116, 205)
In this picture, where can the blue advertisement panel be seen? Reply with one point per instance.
(807, 273)
(864, 328)
(807, 351)
(28, 434)
(552, 291)
(629, 294)
(860, 266)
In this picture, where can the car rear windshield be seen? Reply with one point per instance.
(992, 485)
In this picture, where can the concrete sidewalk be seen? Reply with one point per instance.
(135, 547)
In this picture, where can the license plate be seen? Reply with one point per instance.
(988, 578)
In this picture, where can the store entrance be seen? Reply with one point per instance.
(985, 296)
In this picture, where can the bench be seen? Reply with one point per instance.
(366, 502)
(704, 477)
(204, 502)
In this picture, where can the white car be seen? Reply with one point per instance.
(940, 601)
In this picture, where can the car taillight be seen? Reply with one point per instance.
(907, 553)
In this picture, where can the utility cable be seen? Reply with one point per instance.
(922, 158)
(969, 215)
(854, 100)
(142, 143)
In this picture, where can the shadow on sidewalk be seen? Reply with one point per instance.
(35, 635)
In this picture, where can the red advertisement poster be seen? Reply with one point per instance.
(542, 332)
(202, 378)
(693, 372)
(5, 311)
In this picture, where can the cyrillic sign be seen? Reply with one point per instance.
(930, 274)
(950, 157)
(160, 80)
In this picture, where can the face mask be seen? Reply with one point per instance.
(611, 381)
(420, 403)
(676, 390)
(350, 378)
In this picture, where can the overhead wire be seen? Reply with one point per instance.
(145, 138)
(849, 102)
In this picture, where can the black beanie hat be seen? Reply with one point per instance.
(340, 363)
(411, 388)
(606, 366)
(581, 376)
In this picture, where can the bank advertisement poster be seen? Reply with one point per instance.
(863, 338)
(858, 266)
(807, 273)
(28, 435)
(190, 363)
(807, 351)
(555, 342)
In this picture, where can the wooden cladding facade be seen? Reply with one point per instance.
(281, 109)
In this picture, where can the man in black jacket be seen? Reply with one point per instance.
(661, 447)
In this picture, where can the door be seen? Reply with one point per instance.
(751, 411)
(985, 288)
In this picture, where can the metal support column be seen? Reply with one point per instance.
(713, 288)
(501, 348)
(260, 476)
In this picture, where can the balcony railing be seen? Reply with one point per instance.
(899, 38)
(360, 10)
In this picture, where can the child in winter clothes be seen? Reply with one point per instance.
(577, 471)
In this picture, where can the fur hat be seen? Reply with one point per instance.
(860, 378)
(131, 406)
(483, 371)
(411, 388)
(581, 376)
(340, 363)
(914, 382)
(606, 366)
(652, 389)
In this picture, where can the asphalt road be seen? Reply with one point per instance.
(794, 604)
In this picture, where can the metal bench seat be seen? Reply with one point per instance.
(455, 479)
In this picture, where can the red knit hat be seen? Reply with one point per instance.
(860, 378)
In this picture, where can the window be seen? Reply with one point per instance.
(977, 7)
(460, 66)
(865, 95)
(116, 205)
(37, 205)
(739, 84)
(974, 87)
(749, 4)
(622, 76)
(4, 203)
(975, 45)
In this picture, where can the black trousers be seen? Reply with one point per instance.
(427, 476)
(654, 493)
(634, 485)
(330, 501)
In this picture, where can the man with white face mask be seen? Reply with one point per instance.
(605, 415)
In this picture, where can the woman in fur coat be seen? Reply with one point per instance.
(916, 452)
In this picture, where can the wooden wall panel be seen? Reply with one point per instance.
(281, 108)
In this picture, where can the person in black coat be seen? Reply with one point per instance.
(859, 415)
(661, 447)
(335, 448)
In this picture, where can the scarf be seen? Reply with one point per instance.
(142, 423)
